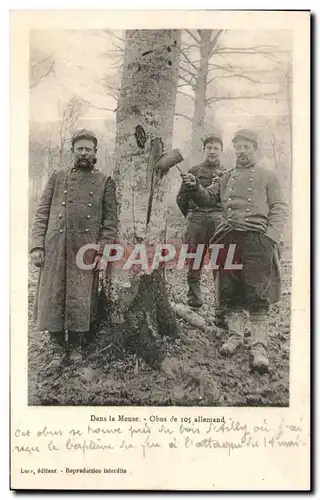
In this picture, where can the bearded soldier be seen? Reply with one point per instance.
(254, 216)
(78, 207)
(201, 221)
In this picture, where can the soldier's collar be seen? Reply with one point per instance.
(244, 167)
(75, 168)
(208, 163)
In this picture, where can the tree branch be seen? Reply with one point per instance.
(229, 98)
(272, 58)
(188, 73)
(187, 47)
(187, 81)
(111, 33)
(230, 69)
(119, 49)
(80, 98)
(188, 60)
(37, 63)
(249, 51)
(187, 95)
(214, 42)
(34, 83)
(253, 47)
(184, 116)
(240, 75)
(96, 107)
(188, 70)
(193, 36)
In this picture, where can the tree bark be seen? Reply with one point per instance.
(147, 98)
(200, 94)
(289, 100)
(140, 313)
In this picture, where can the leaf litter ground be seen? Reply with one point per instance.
(109, 375)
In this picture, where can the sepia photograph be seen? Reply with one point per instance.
(160, 181)
(160, 225)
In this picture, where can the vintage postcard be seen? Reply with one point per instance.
(160, 301)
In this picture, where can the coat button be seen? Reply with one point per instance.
(63, 203)
(229, 208)
(92, 182)
(248, 210)
(65, 191)
(61, 231)
(86, 230)
(89, 204)
(60, 216)
(246, 218)
(88, 216)
(249, 199)
(73, 170)
(249, 189)
(91, 193)
(230, 199)
(250, 179)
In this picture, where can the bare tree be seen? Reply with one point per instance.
(288, 80)
(40, 66)
(147, 100)
(145, 115)
(69, 113)
(205, 62)
(273, 144)
(110, 83)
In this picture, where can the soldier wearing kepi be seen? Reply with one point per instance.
(201, 221)
(254, 216)
(78, 206)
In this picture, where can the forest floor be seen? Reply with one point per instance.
(102, 379)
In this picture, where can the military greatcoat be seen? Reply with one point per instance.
(252, 200)
(78, 206)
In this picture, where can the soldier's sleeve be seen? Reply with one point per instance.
(206, 197)
(41, 217)
(109, 220)
(279, 211)
(183, 197)
(183, 200)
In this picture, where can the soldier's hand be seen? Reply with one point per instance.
(37, 257)
(189, 180)
(96, 262)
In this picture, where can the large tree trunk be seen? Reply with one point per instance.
(147, 98)
(141, 312)
(289, 101)
(200, 94)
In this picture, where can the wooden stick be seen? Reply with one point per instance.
(133, 215)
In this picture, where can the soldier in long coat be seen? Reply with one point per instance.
(201, 221)
(254, 216)
(77, 207)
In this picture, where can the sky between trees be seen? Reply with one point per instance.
(83, 60)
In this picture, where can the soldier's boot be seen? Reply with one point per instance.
(220, 317)
(220, 309)
(259, 341)
(76, 346)
(234, 321)
(58, 350)
(194, 289)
